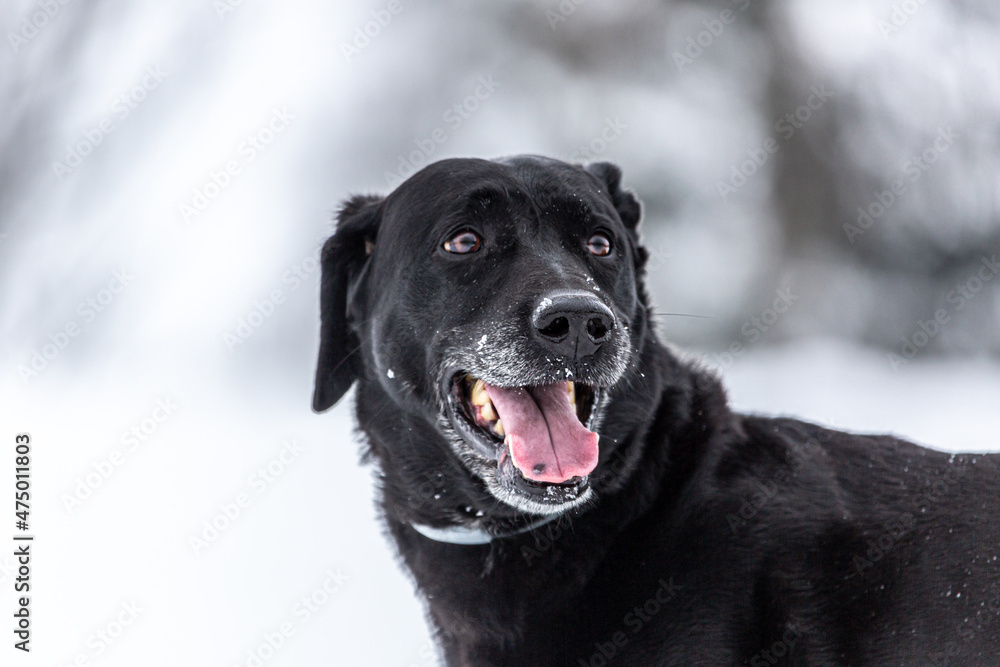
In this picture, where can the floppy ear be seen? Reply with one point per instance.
(610, 176)
(345, 255)
(628, 207)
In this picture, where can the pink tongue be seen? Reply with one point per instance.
(547, 442)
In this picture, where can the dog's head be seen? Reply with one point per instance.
(494, 312)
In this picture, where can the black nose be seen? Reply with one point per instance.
(572, 324)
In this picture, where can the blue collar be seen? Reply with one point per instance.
(466, 535)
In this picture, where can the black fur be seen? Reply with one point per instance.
(714, 538)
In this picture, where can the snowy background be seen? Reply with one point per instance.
(168, 170)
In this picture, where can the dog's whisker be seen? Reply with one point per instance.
(704, 317)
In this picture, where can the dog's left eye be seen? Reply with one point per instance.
(599, 245)
(463, 242)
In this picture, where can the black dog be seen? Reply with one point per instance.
(494, 316)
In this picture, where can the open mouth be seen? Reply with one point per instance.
(538, 435)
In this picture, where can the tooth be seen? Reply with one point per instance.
(498, 427)
(571, 388)
(479, 395)
(486, 411)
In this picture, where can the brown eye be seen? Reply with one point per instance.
(463, 243)
(599, 245)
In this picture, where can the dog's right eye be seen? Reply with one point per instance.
(464, 242)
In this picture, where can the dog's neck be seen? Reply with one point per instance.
(466, 569)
